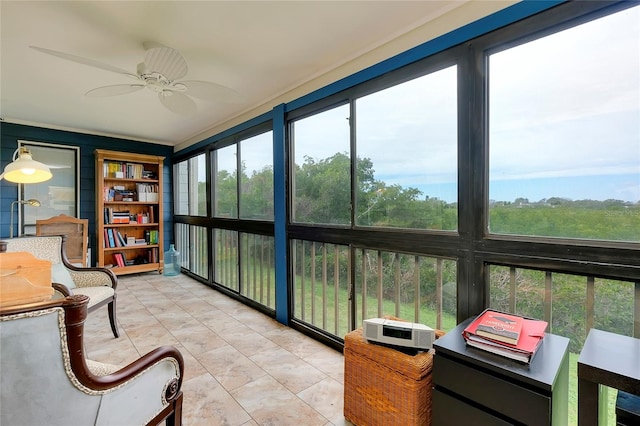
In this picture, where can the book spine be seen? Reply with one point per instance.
(121, 239)
(112, 242)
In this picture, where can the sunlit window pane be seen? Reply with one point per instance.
(407, 154)
(198, 186)
(564, 133)
(322, 176)
(190, 186)
(225, 253)
(181, 188)
(226, 184)
(256, 177)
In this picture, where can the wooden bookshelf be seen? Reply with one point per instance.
(129, 212)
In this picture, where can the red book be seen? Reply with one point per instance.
(119, 259)
(531, 335)
(499, 326)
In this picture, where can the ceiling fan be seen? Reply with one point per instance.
(160, 71)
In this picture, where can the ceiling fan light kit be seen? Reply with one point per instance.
(161, 68)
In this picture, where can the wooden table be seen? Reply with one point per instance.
(606, 359)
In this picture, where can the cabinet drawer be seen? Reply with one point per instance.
(496, 393)
(447, 410)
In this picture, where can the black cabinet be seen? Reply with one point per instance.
(472, 386)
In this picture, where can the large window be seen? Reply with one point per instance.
(405, 160)
(530, 130)
(564, 113)
(407, 154)
(244, 178)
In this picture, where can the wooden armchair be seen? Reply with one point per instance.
(99, 284)
(76, 231)
(46, 379)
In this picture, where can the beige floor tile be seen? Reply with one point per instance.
(270, 403)
(242, 368)
(198, 339)
(326, 397)
(207, 403)
(249, 342)
(289, 370)
(230, 367)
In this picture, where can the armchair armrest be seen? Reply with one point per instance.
(88, 277)
(93, 277)
(60, 291)
(147, 389)
(141, 390)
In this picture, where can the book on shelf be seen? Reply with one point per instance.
(152, 255)
(122, 170)
(121, 239)
(119, 258)
(142, 218)
(147, 192)
(116, 240)
(112, 242)
(530, 337)
(118, 216)
(148, 174)
(108, 194)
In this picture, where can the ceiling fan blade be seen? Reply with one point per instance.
(212, 91)
(166, 61)
(148, 45)
(177, 102)
(84, 61)
(114, 90)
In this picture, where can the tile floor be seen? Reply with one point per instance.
(241, 367)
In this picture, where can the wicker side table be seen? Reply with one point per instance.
(383, 386)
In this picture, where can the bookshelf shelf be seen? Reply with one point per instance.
(129, 208)
(130, 225)
(131, 247)
(116, 203)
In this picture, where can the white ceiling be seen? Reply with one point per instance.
(264, 50)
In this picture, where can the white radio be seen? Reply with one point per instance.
(398, 333)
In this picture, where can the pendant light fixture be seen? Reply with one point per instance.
(24, 169)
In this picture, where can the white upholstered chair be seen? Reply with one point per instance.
(46, 380)
(99, 284)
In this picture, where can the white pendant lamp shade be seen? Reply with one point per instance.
(25, 169)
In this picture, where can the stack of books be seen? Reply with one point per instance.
(505, 334)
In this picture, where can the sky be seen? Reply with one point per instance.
(564, 121)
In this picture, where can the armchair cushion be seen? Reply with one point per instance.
(60, 274)
(101, 368)
(96, 294)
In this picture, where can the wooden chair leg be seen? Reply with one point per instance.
(175, 418)
(112, 317)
